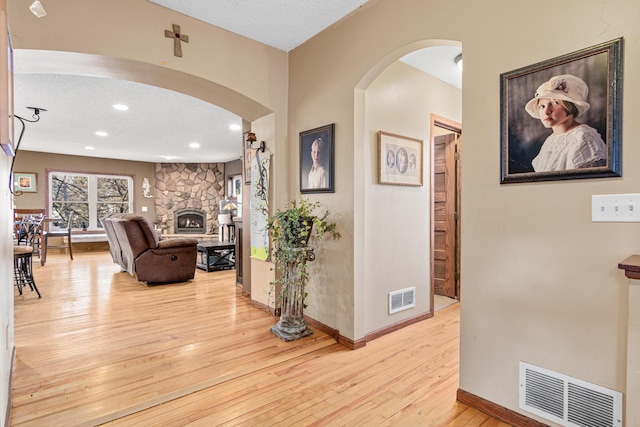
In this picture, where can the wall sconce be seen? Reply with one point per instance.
(251, 138)
(37, 9)
(458, 61)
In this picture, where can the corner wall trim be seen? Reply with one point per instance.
(351, 344)
(264, 307)
(496, 411)
(333, 333)
(7, 416)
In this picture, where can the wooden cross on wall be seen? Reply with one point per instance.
(177, 38)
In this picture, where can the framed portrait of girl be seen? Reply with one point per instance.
(562, 118)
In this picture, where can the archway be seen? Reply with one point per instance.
(394, 221)
(57, 62)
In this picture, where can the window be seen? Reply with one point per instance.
(234, 187)
(234, 191)
(88, 196)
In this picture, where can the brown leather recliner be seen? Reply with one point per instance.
(136, 247)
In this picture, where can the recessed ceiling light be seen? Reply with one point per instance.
(169, 157)
(120, 107)
(194, 145)
(235, 127)
(102, 133)
(88, 147)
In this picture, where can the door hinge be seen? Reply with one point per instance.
(456, 156)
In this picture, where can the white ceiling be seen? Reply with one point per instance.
(160, 124)
(439, 62)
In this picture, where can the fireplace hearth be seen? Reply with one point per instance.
(190, 221)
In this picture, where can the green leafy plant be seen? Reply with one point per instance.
(293, 226)
(290, 230)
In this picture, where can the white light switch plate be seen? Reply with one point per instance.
(615, 208)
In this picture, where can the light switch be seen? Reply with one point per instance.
(615, 208)
(144, 209)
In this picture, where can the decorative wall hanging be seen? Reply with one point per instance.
(146, 189)
(399, 159)
(25, 182)
(562, 118)
(259, 204)
(177, 38)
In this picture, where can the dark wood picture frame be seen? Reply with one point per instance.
(319, 180)
(522, 136)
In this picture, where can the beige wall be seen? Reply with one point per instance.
(397, 218)
(31, 161)
(539, 279)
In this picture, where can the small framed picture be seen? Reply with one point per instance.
(399, 159)
(316, 160)
(25, 182)
(562, 118)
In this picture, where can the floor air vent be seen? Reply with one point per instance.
(401, 300)
(568, 401)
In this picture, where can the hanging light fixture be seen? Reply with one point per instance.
(458, 61)
(37, 9)
(35, 118)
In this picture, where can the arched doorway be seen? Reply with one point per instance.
(392, 249)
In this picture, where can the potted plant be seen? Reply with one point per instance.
(290, 230)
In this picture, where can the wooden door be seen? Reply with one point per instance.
(445, 232)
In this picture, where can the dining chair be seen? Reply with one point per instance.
(19, 214)
(23, 250)
(65, 234)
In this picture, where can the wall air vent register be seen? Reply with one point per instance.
(568, 401)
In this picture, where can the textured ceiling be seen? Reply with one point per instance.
(160, 124)
(437, 61)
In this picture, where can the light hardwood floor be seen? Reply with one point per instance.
(101, 348)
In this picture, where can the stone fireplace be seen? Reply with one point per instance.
(190, 221)
(189, 187)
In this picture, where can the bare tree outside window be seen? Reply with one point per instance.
(89, 197)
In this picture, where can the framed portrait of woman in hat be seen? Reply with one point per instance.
(562, 118)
